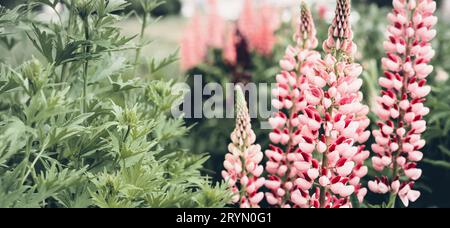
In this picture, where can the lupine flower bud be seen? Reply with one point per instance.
(306, 34)
(242, 163)
(400, 106)
(340, 33)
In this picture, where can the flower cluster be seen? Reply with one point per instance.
(194, 45)
(242, 163)
(400, 106)
(324, 161)
(215, 26)
(292, 169)
(344, 117)
(256, 28)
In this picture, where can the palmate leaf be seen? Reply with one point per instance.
(14, 136)
(115, 40)
(14, 15)
(168, 129)
(175, 197)
(56, 179)
(75, 197)
(71, 127)
(13, 194)
(108, 192)
(111, 66)
(44, 42)
(155, 66)
(7, 83)
(69, 52)
(143, 178)
(104, 7)
(212, 196)
(120, 86)
(149, 5)
(41, 107)
(115, 5)
(161, 95)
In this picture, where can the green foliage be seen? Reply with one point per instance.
(438, 131)
(161, 8)
(78, 129)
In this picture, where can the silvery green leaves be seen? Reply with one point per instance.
(150, 5)
(12, 16)
(119, 148)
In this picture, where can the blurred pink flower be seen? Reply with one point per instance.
(258, 25)
(325, 10)
(264, 39)
(247, 22)
(400, 107)
(193, 43)
(216, 26)
(441, 75)
(229, 49)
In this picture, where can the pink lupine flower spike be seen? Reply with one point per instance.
(291, 166)
(400, 107)
(324, 121)
(242, 163)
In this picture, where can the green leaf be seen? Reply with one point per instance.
(155, 67)
(44, 42)
(439, 164)
(444, 150)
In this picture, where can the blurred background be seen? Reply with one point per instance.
(213, 38)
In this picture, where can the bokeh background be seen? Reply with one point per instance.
(185, 26)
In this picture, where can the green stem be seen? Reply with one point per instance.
(141, 38)
(323, 190)
(28, 9)
(32, 165)
(400, 123)
(86, 63)
(392, 199)
(127, 134)
(63, 72)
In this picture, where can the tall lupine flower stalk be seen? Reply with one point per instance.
(323, 163)
(400, 106)
(242, 163)
(258, 25)
(247, 23)
(216, 26)
(264, 38)
(229, 49)
(344, 117)
(193, 43)
(291, 169)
